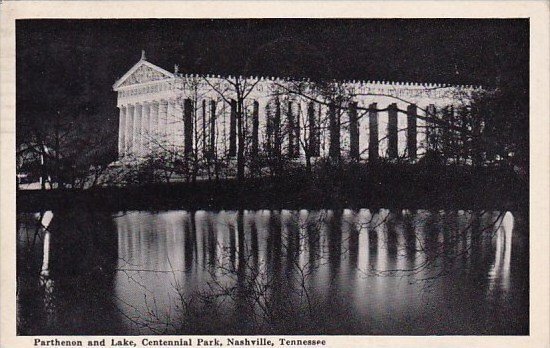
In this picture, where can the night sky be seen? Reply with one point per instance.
(69, 66)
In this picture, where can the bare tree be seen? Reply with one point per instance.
(235, 90)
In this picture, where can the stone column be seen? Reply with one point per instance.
(431, 136)
(392, 131)
(353, 131)
(204, 137)
(262, 124)
(154, 126)
(411, 131)
(422, 133)
(290, 125)
(171, 124)
(255, 128)
(163, 123)
(188, 127)
(313, 133)
(303, 130)
(213, 121)
(129, 129)
(175, 123)
(334, 131)
(276, 130)
(233, 129)
(138, 130)
(297, 129)
(321, 113)
(121, 132)
(373, 133)
(145, 130)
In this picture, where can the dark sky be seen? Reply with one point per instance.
(69, 66)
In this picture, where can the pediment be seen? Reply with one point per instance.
(142, 72)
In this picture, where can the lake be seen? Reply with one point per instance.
(354, 272)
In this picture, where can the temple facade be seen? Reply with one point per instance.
(205, 115)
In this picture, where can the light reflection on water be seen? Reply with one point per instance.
(317, 272)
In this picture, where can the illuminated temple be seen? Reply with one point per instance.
(174, 112)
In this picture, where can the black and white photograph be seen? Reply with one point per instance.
(264, 177)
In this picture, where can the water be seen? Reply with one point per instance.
(368, 272)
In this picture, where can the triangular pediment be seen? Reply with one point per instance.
(142, 72)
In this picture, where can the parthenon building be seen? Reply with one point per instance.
(189, 113)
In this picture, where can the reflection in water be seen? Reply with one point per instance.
(289, 271)
(499, 274)
(45, 282)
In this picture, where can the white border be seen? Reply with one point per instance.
(537, 11)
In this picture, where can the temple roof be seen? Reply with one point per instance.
(142, 72)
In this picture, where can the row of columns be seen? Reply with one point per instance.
(146, 128)
(361, 133)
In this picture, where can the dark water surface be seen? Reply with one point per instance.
(369, 272)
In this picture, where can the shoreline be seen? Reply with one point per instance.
(412, 191)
